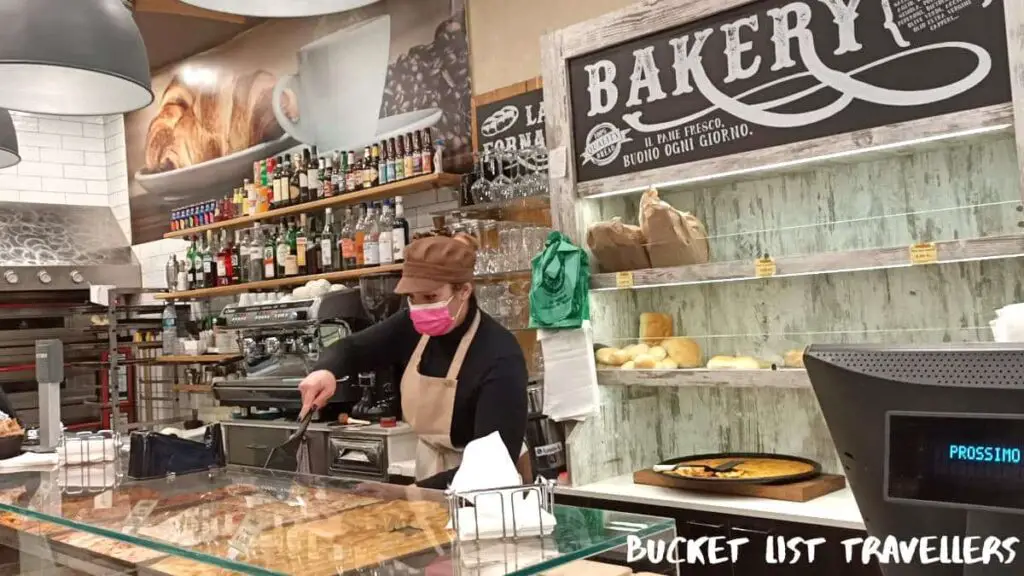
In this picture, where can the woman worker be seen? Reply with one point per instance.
(463, 374)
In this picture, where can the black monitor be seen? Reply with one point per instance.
(931, 440)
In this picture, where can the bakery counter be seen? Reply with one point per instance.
(836, 510)
(242, 520)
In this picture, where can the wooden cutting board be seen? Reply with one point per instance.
(794, 492)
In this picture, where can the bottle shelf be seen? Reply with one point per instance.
(402, 188)
(990, 248)
(276, 283)
(766, 378)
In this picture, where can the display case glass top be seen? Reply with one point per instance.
(250, 521)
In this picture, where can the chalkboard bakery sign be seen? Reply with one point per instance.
(775, 72)
(512, 123)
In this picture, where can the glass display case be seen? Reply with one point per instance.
(250, 521)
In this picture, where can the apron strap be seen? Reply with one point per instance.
(460, 352)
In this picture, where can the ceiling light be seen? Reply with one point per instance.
(8, 141)
(80, 58)
(279, 9)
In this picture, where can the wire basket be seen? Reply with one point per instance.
(90, 462)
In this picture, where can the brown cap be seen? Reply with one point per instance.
(432, 262)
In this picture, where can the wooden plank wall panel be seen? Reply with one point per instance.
(949, 303)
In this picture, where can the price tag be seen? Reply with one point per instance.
(548, 449)
(137, 517)
(623, 279)
(243, 538)
(764, 267)
(924, 253)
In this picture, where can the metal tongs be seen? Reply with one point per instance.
(295, 441)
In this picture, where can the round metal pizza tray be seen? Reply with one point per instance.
(815, 471)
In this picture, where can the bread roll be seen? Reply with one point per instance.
(636, 350)
(645, 362)
(667, 364)
(655, 327)
(684, 352)
(746, 363)
(611, 357)
(658, 353)
(628, 365)
(794, 358)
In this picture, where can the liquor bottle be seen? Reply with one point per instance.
(328, 176)
(366, 168)
(400, 160)
(193, 264)
(250, 197)
(312, 239)
(359, 237)
(417, 155)
(410, 169)
(399, 232)
(220, 259)
(371, 238)
(328, 245)
(242, 245)
(385, 245)
(256, 265)
(294, 180)
(340, 169)
(375, 172)
(428, 152)
(301, 247)
(316, 191)
(303, 169)
(275, 184)
(236, 259)
(383, 175)
(269, 257)
(390, 161)
(347, 242)
(351, 171)
(263, 173)
(209, 266)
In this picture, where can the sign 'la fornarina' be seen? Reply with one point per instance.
(776, 72)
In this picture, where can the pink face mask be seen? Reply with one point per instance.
(432, 319)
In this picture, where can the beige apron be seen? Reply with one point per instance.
(427, 405)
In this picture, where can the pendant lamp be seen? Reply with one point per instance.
(279, 8)
(9, 155)
(72, 57)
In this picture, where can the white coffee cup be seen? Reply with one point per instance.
(339, 86)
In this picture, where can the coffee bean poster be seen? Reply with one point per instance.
(781, 71)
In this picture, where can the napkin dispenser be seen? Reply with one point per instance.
(154, 455)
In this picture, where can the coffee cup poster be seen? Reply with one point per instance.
(339, 82)
(782, 71)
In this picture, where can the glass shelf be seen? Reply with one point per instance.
(250, 521)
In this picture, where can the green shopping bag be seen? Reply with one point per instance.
(559, 294)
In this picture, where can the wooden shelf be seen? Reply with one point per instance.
(204, 359)
(403, 188)
(781, 378)
(991, 248)
(277, 283)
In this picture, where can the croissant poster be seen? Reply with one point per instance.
(339, 82)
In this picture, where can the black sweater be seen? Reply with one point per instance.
(491, 392)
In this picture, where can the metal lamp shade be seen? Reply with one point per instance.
(77, 58)
(279, 8)
(9, 155)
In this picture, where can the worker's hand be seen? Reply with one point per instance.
(316, 389)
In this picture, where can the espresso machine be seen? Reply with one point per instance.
(379, 390)
(281, 342)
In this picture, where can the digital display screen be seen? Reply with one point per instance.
(970, 460)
